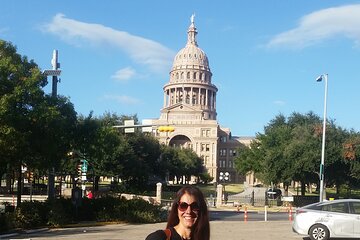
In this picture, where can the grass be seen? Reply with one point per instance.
(345, 192)
(207, 190)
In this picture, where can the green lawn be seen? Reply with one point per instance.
(209, 189)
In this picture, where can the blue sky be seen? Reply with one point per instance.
(264, 54)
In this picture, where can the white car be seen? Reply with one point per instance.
(329, 219)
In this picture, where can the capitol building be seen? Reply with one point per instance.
(190, 108)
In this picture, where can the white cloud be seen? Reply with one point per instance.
(141, 50)
(122, 99)
(4, 30)
(124, 74)
(321, 25)
(279, 103)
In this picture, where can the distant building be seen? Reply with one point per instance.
(190, 107)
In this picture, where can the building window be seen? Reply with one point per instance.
(207, 147)
(206, 160)
(232, 152)
(188, 75)
(187, 99)
(203, 132)
(230, 164)
(222, 152)
(223, 139)
(222, 163)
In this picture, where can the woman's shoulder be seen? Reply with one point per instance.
(161, 235)
(157, 235)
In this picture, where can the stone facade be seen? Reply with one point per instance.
(190, 107)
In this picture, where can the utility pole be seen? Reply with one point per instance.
(322, 164)
(54, 72)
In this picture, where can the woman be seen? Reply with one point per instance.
(188, 218)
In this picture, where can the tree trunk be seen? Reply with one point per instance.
(9, 178)
(302, 188)
(19, 187)
(96, 183)
(286, 189)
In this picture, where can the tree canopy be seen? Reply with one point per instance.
(290, 150)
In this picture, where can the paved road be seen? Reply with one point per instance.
(271, 230)
(250, 216)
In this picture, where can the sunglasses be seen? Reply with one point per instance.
(183, 206)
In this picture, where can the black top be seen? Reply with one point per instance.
(160, 235)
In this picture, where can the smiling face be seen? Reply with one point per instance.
(188, 217)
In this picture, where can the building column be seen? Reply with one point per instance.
(199, 97)
(191, 95)
(206, 97)
(165, 97)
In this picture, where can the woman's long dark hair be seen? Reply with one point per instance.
(201, 228)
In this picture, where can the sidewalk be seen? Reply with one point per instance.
(250, 208)
(279, 230)
(219, 229)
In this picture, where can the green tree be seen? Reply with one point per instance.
(290, 149)
(351, 154)
(102, 146)
(146, 163)
(35, 129)
(190, 162)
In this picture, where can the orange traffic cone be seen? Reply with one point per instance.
(245, 214)
(290, 214)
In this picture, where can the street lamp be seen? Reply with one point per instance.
(224, 176)
(54, 72)
(319, 79)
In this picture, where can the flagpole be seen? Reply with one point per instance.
(321, 197)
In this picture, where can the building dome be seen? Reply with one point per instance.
(190, 83)
(191, 56)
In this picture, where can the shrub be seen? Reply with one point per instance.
(6, 222)
(31, 214)
(108, 209)
(140, 211)
(60, 212)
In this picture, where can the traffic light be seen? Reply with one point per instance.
(31, 176)
(79, 169)
(166, 128)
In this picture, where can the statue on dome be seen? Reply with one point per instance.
(192, 18)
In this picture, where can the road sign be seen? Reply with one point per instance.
(84, 165)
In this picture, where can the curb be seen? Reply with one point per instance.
(23, 232)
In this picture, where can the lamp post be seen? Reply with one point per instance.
(54, 72)
(224, 176)
(319, 79)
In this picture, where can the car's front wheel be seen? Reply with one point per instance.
(319, 232)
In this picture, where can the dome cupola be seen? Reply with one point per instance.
(191, 56)
(190, 79)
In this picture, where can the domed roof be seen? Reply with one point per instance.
(191, 55)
